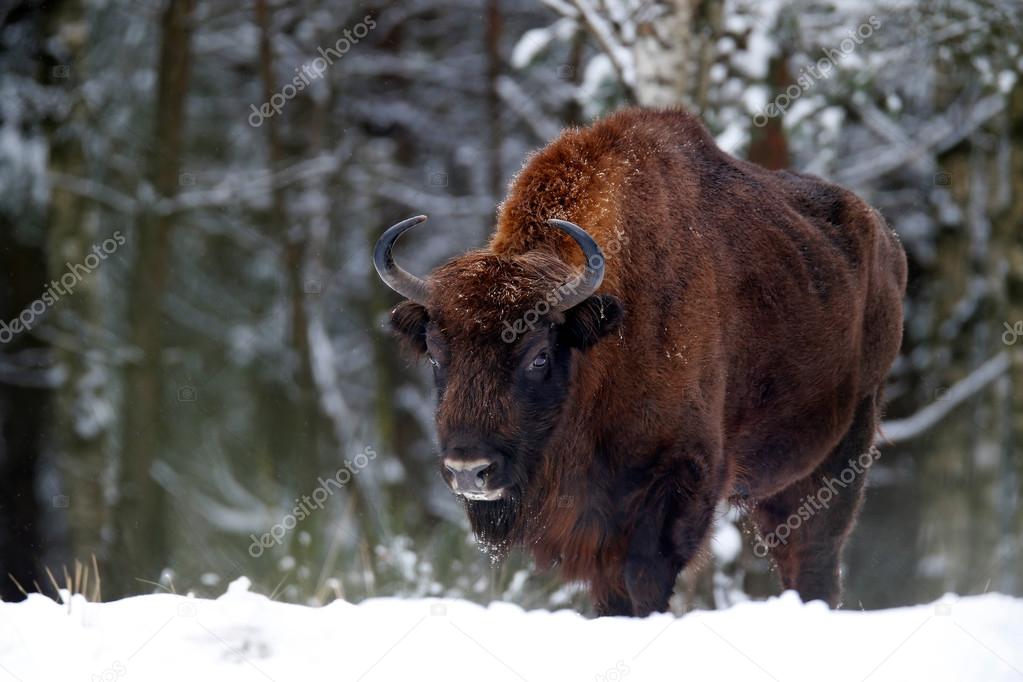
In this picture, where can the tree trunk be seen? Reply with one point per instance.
(661, 53)
(23, 413)
(1007, 260)
(143, 548)
(83, 410)
(494, 108)
(769, 146)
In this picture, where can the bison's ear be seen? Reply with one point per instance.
(409, 320)
(591, 320)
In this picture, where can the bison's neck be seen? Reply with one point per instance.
(559, 520)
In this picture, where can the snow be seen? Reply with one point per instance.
(245, 636)
(598, 72)
(531, 44)
(537, 40)
(1006, 79)
(726, 543)
(732, 137)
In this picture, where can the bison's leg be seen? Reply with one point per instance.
(650, 568)
(612, 604)
(669, 535)
(806, 525)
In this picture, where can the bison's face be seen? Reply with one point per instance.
(505, 335)
(500, 397)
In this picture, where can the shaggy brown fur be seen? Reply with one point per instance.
(736, 349)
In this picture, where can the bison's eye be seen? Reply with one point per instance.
(540, 361)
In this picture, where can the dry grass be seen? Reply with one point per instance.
(84, 580)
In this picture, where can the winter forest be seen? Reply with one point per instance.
(197, 377)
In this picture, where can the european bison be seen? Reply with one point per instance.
(718, 331)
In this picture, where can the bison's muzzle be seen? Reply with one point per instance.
(473, 470)
(471, 478)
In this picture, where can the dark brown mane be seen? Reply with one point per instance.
(480, 290)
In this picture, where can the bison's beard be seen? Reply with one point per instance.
(494, 523)
(502, 524)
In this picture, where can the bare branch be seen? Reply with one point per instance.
(98, 192)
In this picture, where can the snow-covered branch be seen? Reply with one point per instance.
(30, 368)
(249, 188)
(936, 137)
(525, 106)
(562, 8)
(899, 430)
(234, 189)
(98, 192)
(324, 369)
(603, 33)
(443, 204)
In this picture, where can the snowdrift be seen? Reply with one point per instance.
(245, 636)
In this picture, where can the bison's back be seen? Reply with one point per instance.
(815, 280)
(763, 302)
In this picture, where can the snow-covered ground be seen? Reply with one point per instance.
(245, 636)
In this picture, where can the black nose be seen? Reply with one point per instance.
(469, 476)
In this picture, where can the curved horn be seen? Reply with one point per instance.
(405, 283)
(593, 275)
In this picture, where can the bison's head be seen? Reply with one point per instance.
(504, 334)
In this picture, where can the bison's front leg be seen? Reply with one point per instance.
(672, 527)
(651, 566)
(610, 602)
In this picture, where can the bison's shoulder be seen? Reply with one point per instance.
(588, 175)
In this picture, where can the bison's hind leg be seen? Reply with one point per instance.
(805, 526)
